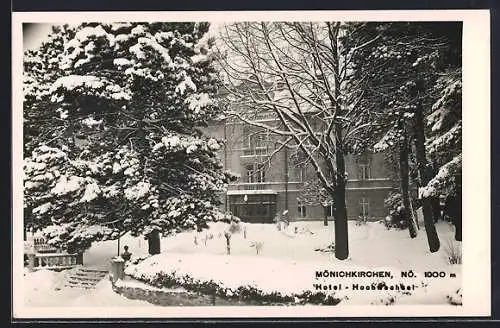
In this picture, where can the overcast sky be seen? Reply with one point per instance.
(34, 34)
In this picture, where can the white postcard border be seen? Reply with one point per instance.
(476, 166)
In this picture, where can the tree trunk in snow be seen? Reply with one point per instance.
(436, 209)
(435, 202)
(453, 210)
(425, 173)
(341, 228)
(325, 213)
(340, 223)
(404, 178)
(458, 227)
(154, 243)
(458, 217)
(79, 258)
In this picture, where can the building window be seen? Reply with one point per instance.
(297, 173)
(253, 208)
(364, 207)
(364, 171)
(255, 142)
(249, 169)
(301, 210)
(258, 141)
(256, 173)
(330, 210)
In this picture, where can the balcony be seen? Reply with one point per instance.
(276, 186)
(251, 152)
(376, 183)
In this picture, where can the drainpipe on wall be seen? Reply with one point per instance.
(225, 161)
(286, 178)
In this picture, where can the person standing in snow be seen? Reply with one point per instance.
(126, 254)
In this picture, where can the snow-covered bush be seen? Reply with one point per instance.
(453, 251)
(455, 298)
(243, 293)
(235, 227)
(330, 248)
(134, 260)
(228, 218)
(394, 204)
(282, 220)
(207, 237)
(258, 245)
(361, 220)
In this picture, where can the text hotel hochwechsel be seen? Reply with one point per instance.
(375, 280)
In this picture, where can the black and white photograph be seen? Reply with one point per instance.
(213, 165)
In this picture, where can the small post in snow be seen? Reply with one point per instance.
(227, 234)
(118, 249)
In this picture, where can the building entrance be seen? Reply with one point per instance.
(255, 208)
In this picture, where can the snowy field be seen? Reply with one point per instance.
(287, 262)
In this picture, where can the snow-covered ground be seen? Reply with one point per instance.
(287, 262)
(45, 288)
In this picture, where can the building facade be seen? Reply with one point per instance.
(271, 178)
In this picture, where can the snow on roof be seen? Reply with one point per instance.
(252, 192)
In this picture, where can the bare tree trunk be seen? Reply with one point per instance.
(458, 225)
(453, 210)
(436, 210)
(425, 173)
(79, 258)
(458, 217)
(340, 223)
(435, 203)
(415, 216)
(325, 217)
(404, 178)
(154, 243)
(341, 227)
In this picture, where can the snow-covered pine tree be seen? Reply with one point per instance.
(41, 69)
(403, 68)
(385, 66)
(445, 146)
(133, 97)
(446, 59)
(40, 122)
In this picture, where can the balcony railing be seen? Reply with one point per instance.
(42, 255)
(55, 261)
(257, 151)
(370, 183)
(264, 185)
(295, 185)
